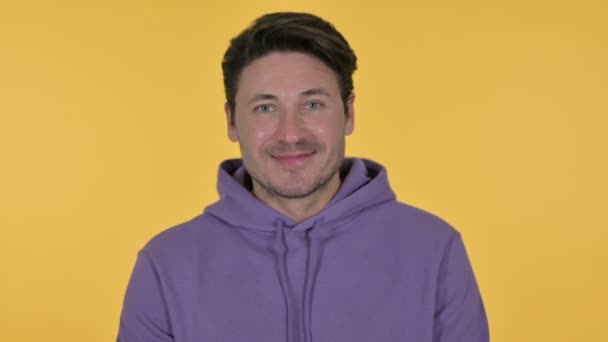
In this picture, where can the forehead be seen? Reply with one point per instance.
(286, 73)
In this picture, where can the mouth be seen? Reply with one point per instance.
(293, 160)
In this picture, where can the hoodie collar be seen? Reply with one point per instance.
(365, 184)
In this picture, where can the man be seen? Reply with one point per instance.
(303, 245)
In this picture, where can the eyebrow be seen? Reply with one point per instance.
(315, 91)
(309, 92)
(261, 97)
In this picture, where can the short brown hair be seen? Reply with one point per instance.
(289, 31)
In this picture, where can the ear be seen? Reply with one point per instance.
(232, 133)
(349, 125)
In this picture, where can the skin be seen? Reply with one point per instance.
(290, 125)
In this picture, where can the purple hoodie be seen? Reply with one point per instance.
(365, 269)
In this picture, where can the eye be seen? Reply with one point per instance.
(264, 108)
(313, 105)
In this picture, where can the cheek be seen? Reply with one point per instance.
(329, 131)
(262, 134)
(254, 136)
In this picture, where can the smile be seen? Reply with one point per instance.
(293, 160)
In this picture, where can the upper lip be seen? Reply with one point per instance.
(292, 154)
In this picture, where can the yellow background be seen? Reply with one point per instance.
(491, 114)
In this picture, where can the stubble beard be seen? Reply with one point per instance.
(290, 191)
(316, 188)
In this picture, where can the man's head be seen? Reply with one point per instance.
(287, 31)
(288, 82)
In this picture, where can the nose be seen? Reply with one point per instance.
(290, 127)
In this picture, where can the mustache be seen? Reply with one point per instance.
(299, 146)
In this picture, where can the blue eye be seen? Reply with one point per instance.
(263, 108)
(313, 105)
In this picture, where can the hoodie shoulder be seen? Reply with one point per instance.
(182, 237)
(419, 224)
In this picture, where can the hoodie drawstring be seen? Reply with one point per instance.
(290, 307)
(312, 266)
(298, 326)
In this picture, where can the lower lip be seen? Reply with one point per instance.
(293, 161)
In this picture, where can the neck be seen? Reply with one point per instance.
(299, 209)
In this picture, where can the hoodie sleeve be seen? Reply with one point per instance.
(144, 315)
(459, 311)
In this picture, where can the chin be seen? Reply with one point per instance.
(299, 188)
(291, 190)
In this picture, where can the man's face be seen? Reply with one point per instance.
(290, 123)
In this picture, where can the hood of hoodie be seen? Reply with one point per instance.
(364, 185)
